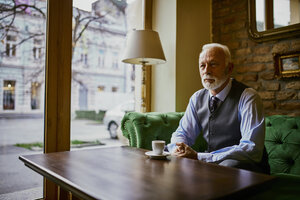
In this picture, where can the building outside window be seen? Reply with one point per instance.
(96, 47)
(96, 61)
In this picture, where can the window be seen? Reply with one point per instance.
(101, 58)
(83, 98)
(37, 49)
(114, 89)
(9, 95)
(11, 45)
(100, 61)
(260, 15)
(115, 64)
(35, 95)
(115, 61)
(101, 88)
(84, 59)
(283, 13)
(276, 13)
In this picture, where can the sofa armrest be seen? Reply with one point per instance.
(142, 128)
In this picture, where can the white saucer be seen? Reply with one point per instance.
(152, 155)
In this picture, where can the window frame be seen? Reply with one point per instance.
(269, 34)
(58, 83)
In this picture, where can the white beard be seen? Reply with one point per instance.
(215, 85)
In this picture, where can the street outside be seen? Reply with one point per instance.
(17, 180)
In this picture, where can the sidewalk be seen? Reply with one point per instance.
(18, 180)
(30, 130)
(15, 177)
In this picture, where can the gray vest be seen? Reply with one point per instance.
(221, 128)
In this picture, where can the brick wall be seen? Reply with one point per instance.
(254, 61)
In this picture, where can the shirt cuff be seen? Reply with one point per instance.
(171, 147)
(206, 157)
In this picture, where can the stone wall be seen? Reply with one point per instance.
(253, 61)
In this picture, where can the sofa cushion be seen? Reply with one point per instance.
(282, 143)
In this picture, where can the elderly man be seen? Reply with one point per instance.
(227, 113)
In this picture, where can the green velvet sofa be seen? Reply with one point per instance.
(282, 143)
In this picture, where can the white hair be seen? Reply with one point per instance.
(221, 46)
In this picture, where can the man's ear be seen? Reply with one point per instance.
(230, 68)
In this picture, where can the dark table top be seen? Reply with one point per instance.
(127, 173)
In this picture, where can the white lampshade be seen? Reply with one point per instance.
(143, 47)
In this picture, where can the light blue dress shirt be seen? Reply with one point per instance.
(252, 126)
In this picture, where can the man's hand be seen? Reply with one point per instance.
(184, 150)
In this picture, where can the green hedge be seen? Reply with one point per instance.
(90, 114)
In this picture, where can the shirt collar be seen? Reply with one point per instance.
(223, 94)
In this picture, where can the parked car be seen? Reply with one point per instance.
(112, 118)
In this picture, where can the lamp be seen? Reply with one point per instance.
(143, 47)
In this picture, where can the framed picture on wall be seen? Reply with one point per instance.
(287, 65)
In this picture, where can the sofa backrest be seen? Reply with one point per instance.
(282, 140)
(282, 143)
(142, 128)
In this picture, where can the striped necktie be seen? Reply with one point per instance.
(213, 104)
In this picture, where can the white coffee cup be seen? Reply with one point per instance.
(158, 147)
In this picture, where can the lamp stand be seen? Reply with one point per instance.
(144, 89)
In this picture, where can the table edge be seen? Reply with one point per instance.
(57, 179)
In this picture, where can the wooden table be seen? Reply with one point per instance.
(127, 173)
